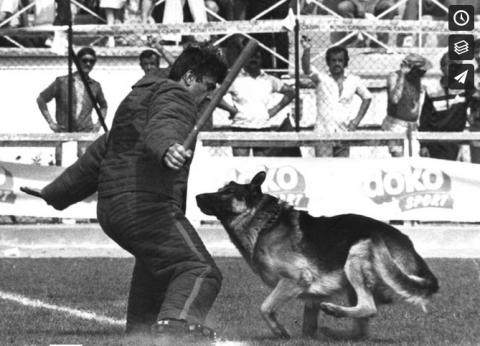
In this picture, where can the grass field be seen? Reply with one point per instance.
(100, 285)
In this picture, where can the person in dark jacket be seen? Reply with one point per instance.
(141, 189)
(444, 110)
(141, 173)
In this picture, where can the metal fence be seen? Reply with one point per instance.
(377, 43)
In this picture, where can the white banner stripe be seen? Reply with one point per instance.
(386, 189)
(83, 314)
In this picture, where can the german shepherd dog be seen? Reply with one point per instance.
(316, 258)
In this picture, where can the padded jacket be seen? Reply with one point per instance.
(156, 114)
(78, 181)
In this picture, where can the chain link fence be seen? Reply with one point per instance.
(33, 53)
(376, 43)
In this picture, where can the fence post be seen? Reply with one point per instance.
(70, 69)
(409, 143)
(297, 68)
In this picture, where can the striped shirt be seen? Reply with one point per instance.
(444, 109)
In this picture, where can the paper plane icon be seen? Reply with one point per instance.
(461, 77)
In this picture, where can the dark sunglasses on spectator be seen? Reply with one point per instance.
(88, 61)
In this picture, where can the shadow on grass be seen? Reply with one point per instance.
(325, 339)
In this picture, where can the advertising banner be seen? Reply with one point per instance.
(387, 189)
(15, 202)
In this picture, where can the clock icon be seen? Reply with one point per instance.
(461, 17)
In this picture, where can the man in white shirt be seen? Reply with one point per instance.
(253, 92)
(335, 90)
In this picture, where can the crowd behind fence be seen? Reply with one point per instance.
(378, 40)
(376, 48)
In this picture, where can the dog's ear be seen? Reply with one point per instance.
(258, 179)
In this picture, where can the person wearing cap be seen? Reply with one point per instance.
(82, 107)
(474, 117)
(444, 109)
(405, 95)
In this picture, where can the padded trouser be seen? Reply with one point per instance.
(144, 300)
(174, 273)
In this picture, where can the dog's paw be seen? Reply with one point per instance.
(282, 333)
(332, 309)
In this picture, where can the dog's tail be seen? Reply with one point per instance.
(414, 288)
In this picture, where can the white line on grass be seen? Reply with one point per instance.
(86, 315)
(35, 303)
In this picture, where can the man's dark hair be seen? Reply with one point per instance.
(445, 59)
(86, 51)
(202, 61)
(336, 50)
(148, 53)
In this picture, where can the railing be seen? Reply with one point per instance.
(252, 139)
(44, 139)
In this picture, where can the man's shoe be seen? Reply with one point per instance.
(180, 328)
(172, 327)
(199, 330)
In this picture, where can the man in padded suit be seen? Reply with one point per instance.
(140, 171)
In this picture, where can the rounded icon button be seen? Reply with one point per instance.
(461, 18)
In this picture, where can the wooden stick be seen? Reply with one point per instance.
(246, 53)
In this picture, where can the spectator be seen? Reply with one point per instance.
(9, 7)
(431, 10)
(405, 94)
(335, 92)
(444, 109)
(149, 61)
(474, 118)
(147, 8)
(278, 42)
(359, 9)
(115, 13)
(62, 13)
(173, 14)
(252, 93)
(223, 8)
(140, 197)
(82, 104)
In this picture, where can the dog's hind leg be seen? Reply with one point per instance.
(310, 318)
(358, 270)
(360, 325)
(285, 290)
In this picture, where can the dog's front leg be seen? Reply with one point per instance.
(285, 290)
(310, 318)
